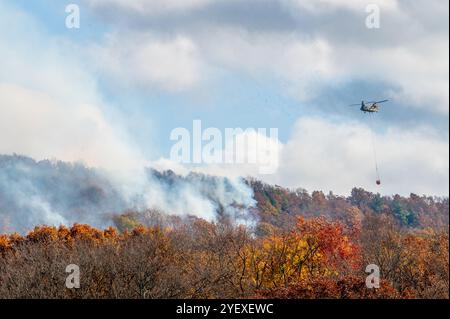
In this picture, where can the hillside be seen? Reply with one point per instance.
(54, 192)
(277, 243)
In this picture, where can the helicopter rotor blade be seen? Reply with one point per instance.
(376, 102)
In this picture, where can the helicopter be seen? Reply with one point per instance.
(370, 107)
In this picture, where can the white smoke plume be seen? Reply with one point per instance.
(51, 107)
(54, 193)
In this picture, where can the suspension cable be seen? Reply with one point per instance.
(377, 172)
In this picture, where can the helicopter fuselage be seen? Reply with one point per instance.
(374, 108)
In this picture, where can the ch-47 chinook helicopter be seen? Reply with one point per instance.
(370, 107)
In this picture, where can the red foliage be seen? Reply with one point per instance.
(348, 287)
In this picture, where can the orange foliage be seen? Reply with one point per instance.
(5, 244)
(43, 234)
(316, 259)
(315, 248)
(332, 240)
(86, 233)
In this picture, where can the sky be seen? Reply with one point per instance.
(110, 93)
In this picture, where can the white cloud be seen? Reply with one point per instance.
(417, 71)
(50, 106)
(35, 124)
(171, 64)
(158, 7)
(305, 64)
(420, 69)
(337, 155)
(150, 7)
(49, 103)
(248, 152)
(319, 6)
(309, 60)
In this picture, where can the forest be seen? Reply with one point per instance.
(299, 246)
(262, 241)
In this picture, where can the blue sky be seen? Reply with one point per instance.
(134, 71)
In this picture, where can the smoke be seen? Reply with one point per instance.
(55, 192)
(51, 107)
(206, 196)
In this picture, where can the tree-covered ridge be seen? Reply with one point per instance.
(292, 244)
(278, 206)
(55, 192)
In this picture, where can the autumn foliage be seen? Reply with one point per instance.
(193, 258)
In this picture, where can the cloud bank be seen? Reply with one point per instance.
(53, 103)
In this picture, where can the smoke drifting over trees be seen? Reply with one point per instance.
(54, 192)
(199, 236)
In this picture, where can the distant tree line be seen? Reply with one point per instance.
(279, 207)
